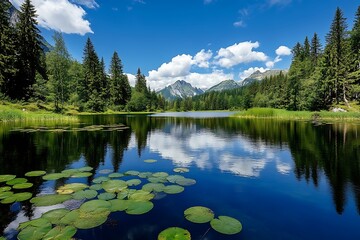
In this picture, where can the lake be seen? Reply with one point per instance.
(280, 179)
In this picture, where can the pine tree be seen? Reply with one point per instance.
(306, 52)
(315, 50)
(29, 52)
(7, 48)
(58, 65)
(140, 85)
(116, 71)
(354, 75)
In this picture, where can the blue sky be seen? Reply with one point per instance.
(200, 41)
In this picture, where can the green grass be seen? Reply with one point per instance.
(297, 115)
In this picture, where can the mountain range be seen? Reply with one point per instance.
(183, 89)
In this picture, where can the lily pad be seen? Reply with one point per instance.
(92, 214)
(55, 176)
(226, 225)
(16, 181)
(34, 223)
(174, 233)
(84, 194)
(8, 200)
(160, 174)
(70, 171)
(133, 182)
(81, 174)
(85, 169)
(181, 170)
(106, 171)
(141, 195)
(4, 195)
(174, 178)
(106, 196)
(60, 233)
(150, 161)
(96, 187)
(113, 186)
(71, 187)
(54, 216)
(145, 174)
(132, 173)
(32, 232)
(116, 175)
(156, 187)
(35, 173)
(48, 200)
(139, 207)
(70, 217)
(173, 189)
(101, 179)
(23, 185)
(5, 189)
(17, 197)
(199, 214)
(5, 178)
(119, 205)
(157, 179)
(186, 182)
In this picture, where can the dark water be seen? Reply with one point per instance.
(281, 179)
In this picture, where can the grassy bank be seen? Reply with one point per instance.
(272, 113)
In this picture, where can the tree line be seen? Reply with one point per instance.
(318, 78)
(27, 73)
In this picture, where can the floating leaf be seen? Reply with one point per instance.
(157, 179)
(84, 194)
(106, 171)
(160, 174)
(23, 185)
(174, 178)
(5, 178)
(113, 186)
(32, 232)
(92, 214)
(4, 189)
(199, 214)
(101, 179)
(139, 207)
(48, 200)
(226, 225)
(8, 200)
(115, 175)
(4, 195)
(174, 233)
(150, 161)
(145, 174)
(132, 173)
(54, 216)
(81, 174)
(55, 176)
(96, 187)
(70, 171)
(60, 233)
(133, 182)
(35, 223)
(173, 189)
(85, 169)
(185, 182)
(106, 196)
(141, 195)
(119, 205)
(16, 181)
(20, 197)
(35, 173)
(181, 170)
(70, 217)
(71, 187)
(156, 187)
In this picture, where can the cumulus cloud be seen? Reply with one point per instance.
(271, 64)
(178, 67)
(239, 53)
(132, 79)
(238, 24)
(202, 58)
(246, 73)
(61, 15)
(87, 3)
(283, 51)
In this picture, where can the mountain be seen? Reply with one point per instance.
(14, 18)
(180, 89)
(258, 76)
(224, 85)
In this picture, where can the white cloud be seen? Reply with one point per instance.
(239, 53)
(240, 23)
(202, 58)
(271, 64)
(178, 67)
(87, 3)
(61, 15)
(131, 78)
(246, 73)
(283, 51)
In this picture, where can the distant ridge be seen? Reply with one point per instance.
(180, 89)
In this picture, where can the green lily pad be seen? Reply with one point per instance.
(17, 197)
(186, 182)
(70, 217)
(55, 176)
(157, 179)
(145, 174)
(141, 195)
(71, 187)
(96, 187)
(85, 169)
(32, 232)
(113, 186)
(133, 182)
(174, 233)
(34, 223)
(156, 187)
(226, 225)
(160, 174)
(139, 207)
(106, 171)
(106, 196)
(174, 178)
(54, 216)
(16, 181)
(84, 194)
(4, 195)
(81, 174)
(23, 185)
(150, 161)
(5, 178)
(119, 205)
(49, 200)
(60, 233)
(116, 175)
(173, 189)
(199, 214)
(92, 214)
(181, 170)
(123, 194)
(5, 189)
(101, 179)
(35, 173)
(70, 171)
(8, 200)
(132, 173)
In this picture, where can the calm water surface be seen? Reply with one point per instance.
(281, 179)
